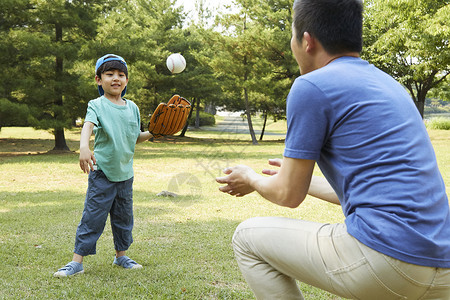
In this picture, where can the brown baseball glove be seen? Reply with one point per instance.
(169, 118)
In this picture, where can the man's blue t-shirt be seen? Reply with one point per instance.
(369, 141)
(117, 128)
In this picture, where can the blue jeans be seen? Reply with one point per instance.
(104, 197)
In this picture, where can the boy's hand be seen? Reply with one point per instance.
(87, 160)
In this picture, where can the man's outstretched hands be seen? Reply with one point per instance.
(276, 162)
(240, 180)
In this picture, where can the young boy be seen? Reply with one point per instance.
(115, 122)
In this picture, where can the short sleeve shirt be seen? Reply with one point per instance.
(369, 141)
(117, 128)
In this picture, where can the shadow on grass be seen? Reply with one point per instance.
(189, 147)
(42, 205)
(14, 147)
(217, 139)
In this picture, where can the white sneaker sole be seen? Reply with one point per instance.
(132, 268)
(63, 274)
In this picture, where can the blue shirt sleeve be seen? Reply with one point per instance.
(308, 116)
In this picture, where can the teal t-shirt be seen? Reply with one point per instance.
(117, 128)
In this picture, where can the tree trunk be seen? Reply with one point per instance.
(197, 115)
(183, 132)
(247, 104)
(249, 118)
(420, 106)
(60, 139)
(264, 126)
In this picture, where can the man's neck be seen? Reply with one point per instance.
(327, 59)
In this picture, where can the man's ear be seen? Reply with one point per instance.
(310, 42)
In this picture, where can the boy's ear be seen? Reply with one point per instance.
(98, 80)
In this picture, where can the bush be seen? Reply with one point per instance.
(13, 114)
(438, 123)
(205, 119)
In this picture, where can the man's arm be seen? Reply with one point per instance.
(288, 187)
(319, 186)
(87, 159)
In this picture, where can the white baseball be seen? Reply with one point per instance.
(176, 63)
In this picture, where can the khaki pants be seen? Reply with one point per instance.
(272, 252)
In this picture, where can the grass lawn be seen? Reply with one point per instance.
(183, 242)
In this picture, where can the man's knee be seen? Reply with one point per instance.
(240, 237)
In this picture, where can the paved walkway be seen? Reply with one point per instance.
(234, 123)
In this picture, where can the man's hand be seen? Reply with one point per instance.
(238, 181)
(276, 162)
(87, 160)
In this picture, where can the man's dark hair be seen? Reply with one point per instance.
(336, 24)
(112, 65)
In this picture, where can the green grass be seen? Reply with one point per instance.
(183, 243)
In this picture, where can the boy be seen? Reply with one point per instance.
(115, 122)
(364, 132)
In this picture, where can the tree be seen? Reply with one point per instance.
(409, 40)
(199, 83)
(46, 37)
(257, 60)
(274, 88)
(241, 62)
(149, 32)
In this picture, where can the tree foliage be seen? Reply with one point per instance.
(255, 61)
(238, 59)
(44, 39)
(409, 39)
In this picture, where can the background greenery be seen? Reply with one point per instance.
(239, 59)
(183, 242)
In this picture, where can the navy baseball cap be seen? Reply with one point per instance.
(104, 59)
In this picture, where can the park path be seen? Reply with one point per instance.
(234, 123)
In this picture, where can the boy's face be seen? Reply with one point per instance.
(113, 82)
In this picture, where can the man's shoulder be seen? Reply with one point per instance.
(343, 72)
(341, 65)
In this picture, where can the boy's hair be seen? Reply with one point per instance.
(112, 65)
(336, 24)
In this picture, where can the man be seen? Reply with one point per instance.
(362, 129)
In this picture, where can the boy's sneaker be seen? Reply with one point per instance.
(70, 269)
(126, 262)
